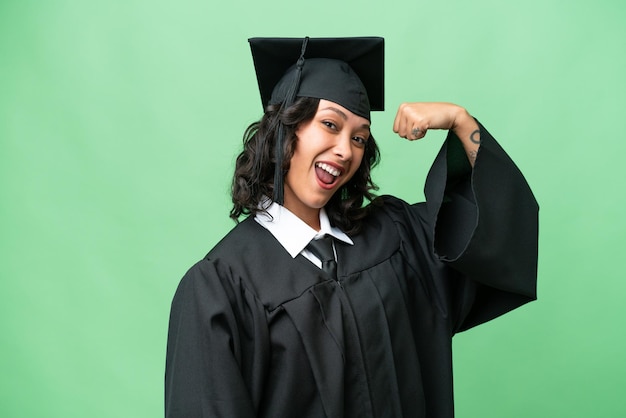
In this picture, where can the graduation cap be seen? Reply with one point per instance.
(347, 71)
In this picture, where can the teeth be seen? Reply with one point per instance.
(329, 169)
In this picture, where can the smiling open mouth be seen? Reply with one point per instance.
(326, 173)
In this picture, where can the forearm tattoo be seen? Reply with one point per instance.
(475, 137)
(472, 156)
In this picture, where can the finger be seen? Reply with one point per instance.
(400, 123)
(407, 126)
(399, 126)
(417, 132)
(396, 122)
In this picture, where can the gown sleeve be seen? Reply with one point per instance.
(212, 347)
(485, 227)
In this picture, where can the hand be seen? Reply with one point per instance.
(413, 120)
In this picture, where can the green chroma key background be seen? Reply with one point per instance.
(119, 125)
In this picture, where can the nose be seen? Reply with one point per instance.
(343, 148)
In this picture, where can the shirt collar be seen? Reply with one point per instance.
(292, 232)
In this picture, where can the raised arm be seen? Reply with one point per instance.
(413, 120)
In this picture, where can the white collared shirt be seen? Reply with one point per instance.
(294, 234)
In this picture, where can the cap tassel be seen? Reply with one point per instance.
(280, 136)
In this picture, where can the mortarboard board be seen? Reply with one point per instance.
(347, 71)
(273, 57)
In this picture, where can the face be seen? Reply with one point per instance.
(328, 151)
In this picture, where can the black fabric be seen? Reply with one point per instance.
(327, 79)
(257, 333)
(348, 71)
(323, 249)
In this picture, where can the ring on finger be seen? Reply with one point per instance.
(415, 131)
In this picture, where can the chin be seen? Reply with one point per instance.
(318, 204)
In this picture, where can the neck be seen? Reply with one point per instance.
(310, 216)
(312, 220)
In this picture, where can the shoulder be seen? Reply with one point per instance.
(215, 273)
(250, 260)
(243, 238)
(391, 226)
(390, 210)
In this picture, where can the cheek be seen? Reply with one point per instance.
(299, 167)
(356, 163)
(358, 157)
(297, 159)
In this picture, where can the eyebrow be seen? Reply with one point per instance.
(337, 111)
(344, 116)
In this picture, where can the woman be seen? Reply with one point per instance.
(271, 325)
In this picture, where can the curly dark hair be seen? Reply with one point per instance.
(254, 169)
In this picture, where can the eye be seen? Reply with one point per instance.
(359, 140)
(330, 125)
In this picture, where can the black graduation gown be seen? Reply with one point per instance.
(256, 333)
